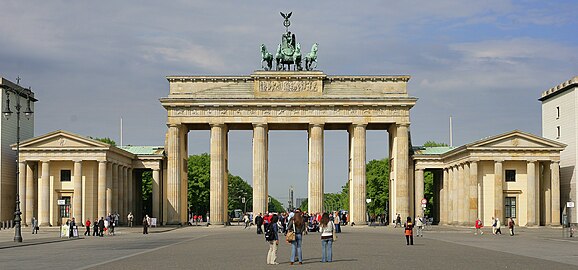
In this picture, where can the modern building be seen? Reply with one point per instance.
(515, 174)
(8, 137)
(560, 123)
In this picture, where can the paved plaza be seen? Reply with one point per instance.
(237, 248)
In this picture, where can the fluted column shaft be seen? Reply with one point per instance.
(115, 180)
(174, 171)
(315, 190)
(461, 194)
(109, 173)
(498, 190)
(124, 195)
(218, 171)
(473, 200)
(445, 205)
(44, 195)
(455, 195)
(22, 191)
(131, 206)
(419, 191)
(30, 192)
(156, 193)
(101, 189)
(359, 183)
(77, 198)
(531, 193)
(555, 187)
(402, 163)
(260, 168)
(465, 201)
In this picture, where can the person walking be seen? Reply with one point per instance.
(493, 225)
(95, 227)
(34, 225)
(479, 226)
(246, 221)
(87, 224)
(408, 231)
(419, 226)
(259, 223)
(130, 218)
(101, 227)
(145, 225)
(511, 225)
(327, 229)
(498, 226)
(397, 221)
(273, 244)
(297, 225)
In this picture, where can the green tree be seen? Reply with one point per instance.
(275, 206)
(147, 191)
(304, 205)
(199, 175)
(105, 140)
(239, 189)
(377, 175)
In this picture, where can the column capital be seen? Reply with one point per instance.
(402, 125)
(77, 160)
(555, 162)
(531, 160)
(217, 124)
(102, 161)
(498, 161)
(174, 125)
(263, 125)
(317, 125)
(359, 124)
(474, 160)
(419, 169)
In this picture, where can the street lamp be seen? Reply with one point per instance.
(19, 92)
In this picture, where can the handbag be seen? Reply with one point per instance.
(290, 237)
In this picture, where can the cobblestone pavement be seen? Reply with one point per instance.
(237, 248)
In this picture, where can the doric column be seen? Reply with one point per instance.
(77, 197)
(359, 183)
(461, 195)
(131, 192)
(402, 163)
(156, 193)
(44, 195)
(546, 193)
(444, 203)
(498, 190)
(455, 195)
(218, 170)
(22, 191)
(473, 189)
(102, 198)
(419, 191)
(465, 220)
(315, 190)
(125, 195)
(531, 193)
(115, 181)
(109, 173)
(260, 168)
(555, 187)
(30, 192)
(174, 171)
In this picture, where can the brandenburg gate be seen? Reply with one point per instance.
(286, 100)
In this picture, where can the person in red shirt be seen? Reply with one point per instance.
(87, 224)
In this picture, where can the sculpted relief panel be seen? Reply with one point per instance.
(288, 86)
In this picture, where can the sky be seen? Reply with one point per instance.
(484, 63)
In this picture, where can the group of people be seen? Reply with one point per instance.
(294, 225)
(496, 226)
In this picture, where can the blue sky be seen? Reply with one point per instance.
(483, 62)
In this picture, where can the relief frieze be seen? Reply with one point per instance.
(288, 86)
(333, 111)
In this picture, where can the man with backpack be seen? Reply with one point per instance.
(272, 236)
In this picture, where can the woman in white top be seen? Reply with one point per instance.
(326, 230)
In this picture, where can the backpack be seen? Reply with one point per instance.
(269, 232)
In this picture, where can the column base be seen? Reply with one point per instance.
(363, 223)
(45, 224)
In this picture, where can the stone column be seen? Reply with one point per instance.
(156, 193)
(546, 194)
(531, 193)
(77, 197)
(419, 191)
(315, 190)
(30, 192)
(555, 188)
(109, 173)
(461, 195)
(473, 189)
(402, 163)
(359, 183)
(22, 192)
(498, 190)
(114, 188)
(260, 170)
(218, 171)
(444, 202)
(455, 195)
(174, 171)
(466, 198)
(125, 195)
(102, 199)
(44, 195)
(131, 192)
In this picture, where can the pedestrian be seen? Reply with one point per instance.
(273, 244)
(419, 226)
(297, 225)
(101, 227)
(259, 223)
(337, 222)
(408, 231)
(498, 226)
(95, 227)
(479, 226)
(511, 225)
(327, 230)
(87, 224)
(397, 221)
(493, 225)
(72, 227)
(130, 218)
(34, 225)
(145, 225)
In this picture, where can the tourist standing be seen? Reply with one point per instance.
(408, 231)
(511, 225)
(297, 225)
(398, 221)
(130, 218)
(479, 226)
(95, 227)
(259, 223)
(327, 230)
(337, 222)
(101, 227)
(87, 224)
(419, 225)
(273, 244)
(72, 228)
(34, 225)
(145, 225)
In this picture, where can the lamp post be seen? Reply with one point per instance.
(19, 92)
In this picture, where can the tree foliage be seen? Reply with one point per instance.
(105, 140)
(377, 175)
(428, 179)
(434, 144)
(147, 191)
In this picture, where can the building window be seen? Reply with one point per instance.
(65, 209)
(510, 175)
(510, 207)
(558, 132)
(558, 112)
(65, 176)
